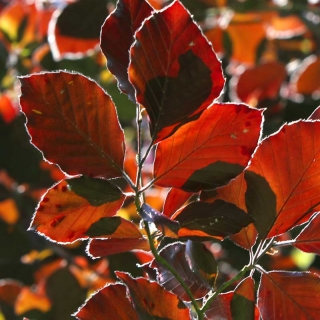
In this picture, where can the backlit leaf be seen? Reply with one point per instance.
(283, 179)
(75, 29)
(309, 238)
(112, 301)
(74, 122)
(64, 216)
(243, 301)
(234, 193)
(174, 70)
(9, 291)
(220, 307)
(117, 37)
(209, 152)
(105, 247)
(152, 301)
(289, 295)
(199, 275)
(211, 220)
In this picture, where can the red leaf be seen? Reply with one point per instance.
(74, 122)
(122, 25)
(309, 238)
(106, 247)
(75, 29)
(283, 179)
(7, 109)
(209, 152)
(150, 299)
(174, 70)
(9, 291)
(220, 307)
(243, 301)
(289, 295)
(64, 216)
(195, 265)
(234, 193)
(112, 301)
(174, 200)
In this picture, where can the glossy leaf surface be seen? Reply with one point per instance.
(151, 300)
(64, 216)
(234, 193)
(209, 152)
(289, 295)
(74, 30)
(74, 122)
(211, 220)
(195, 265)
(174, 70)
(283, 185)
(243, 301)
(122, 24)
(309, 238)
(112, 301)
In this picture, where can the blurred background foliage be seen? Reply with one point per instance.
(270, 52)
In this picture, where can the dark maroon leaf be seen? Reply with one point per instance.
(117, 37)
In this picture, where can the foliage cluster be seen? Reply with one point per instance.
(164, 193)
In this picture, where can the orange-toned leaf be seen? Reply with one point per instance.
(111, 301)
(174, 200)
(173, 69)
(7, 109)
(151, 300)
(243, 301)
(209, 152)
(289, 295)
(283, 179)
(217, 220)
(74, 122)
(28, 300)
(194, 263)
(220, 307)
(75, 29)
(117, 37)
(9, 211)
(65, 216)
(234, 193)
(309, 238)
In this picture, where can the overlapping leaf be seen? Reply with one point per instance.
(153, 302)
(309, 238)
(243, 301)
(112, 301)
(283, 179)
(65, 216)
(289, 295)
(217, 220)
(194, 263)
(220, 307)
(122, 24)
(209, 152)
(173, 69)
(174, 200)
(74, 122)
(234, 193)
(74, 30)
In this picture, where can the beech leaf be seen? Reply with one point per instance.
(173, 69)
(152, 301)
(122, 24)
(74, 122)
(209, 152)
(112, 297)
(64, 216)
(289, 295)
(283, 185)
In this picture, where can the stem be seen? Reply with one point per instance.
(225, 285)
(284, 243)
